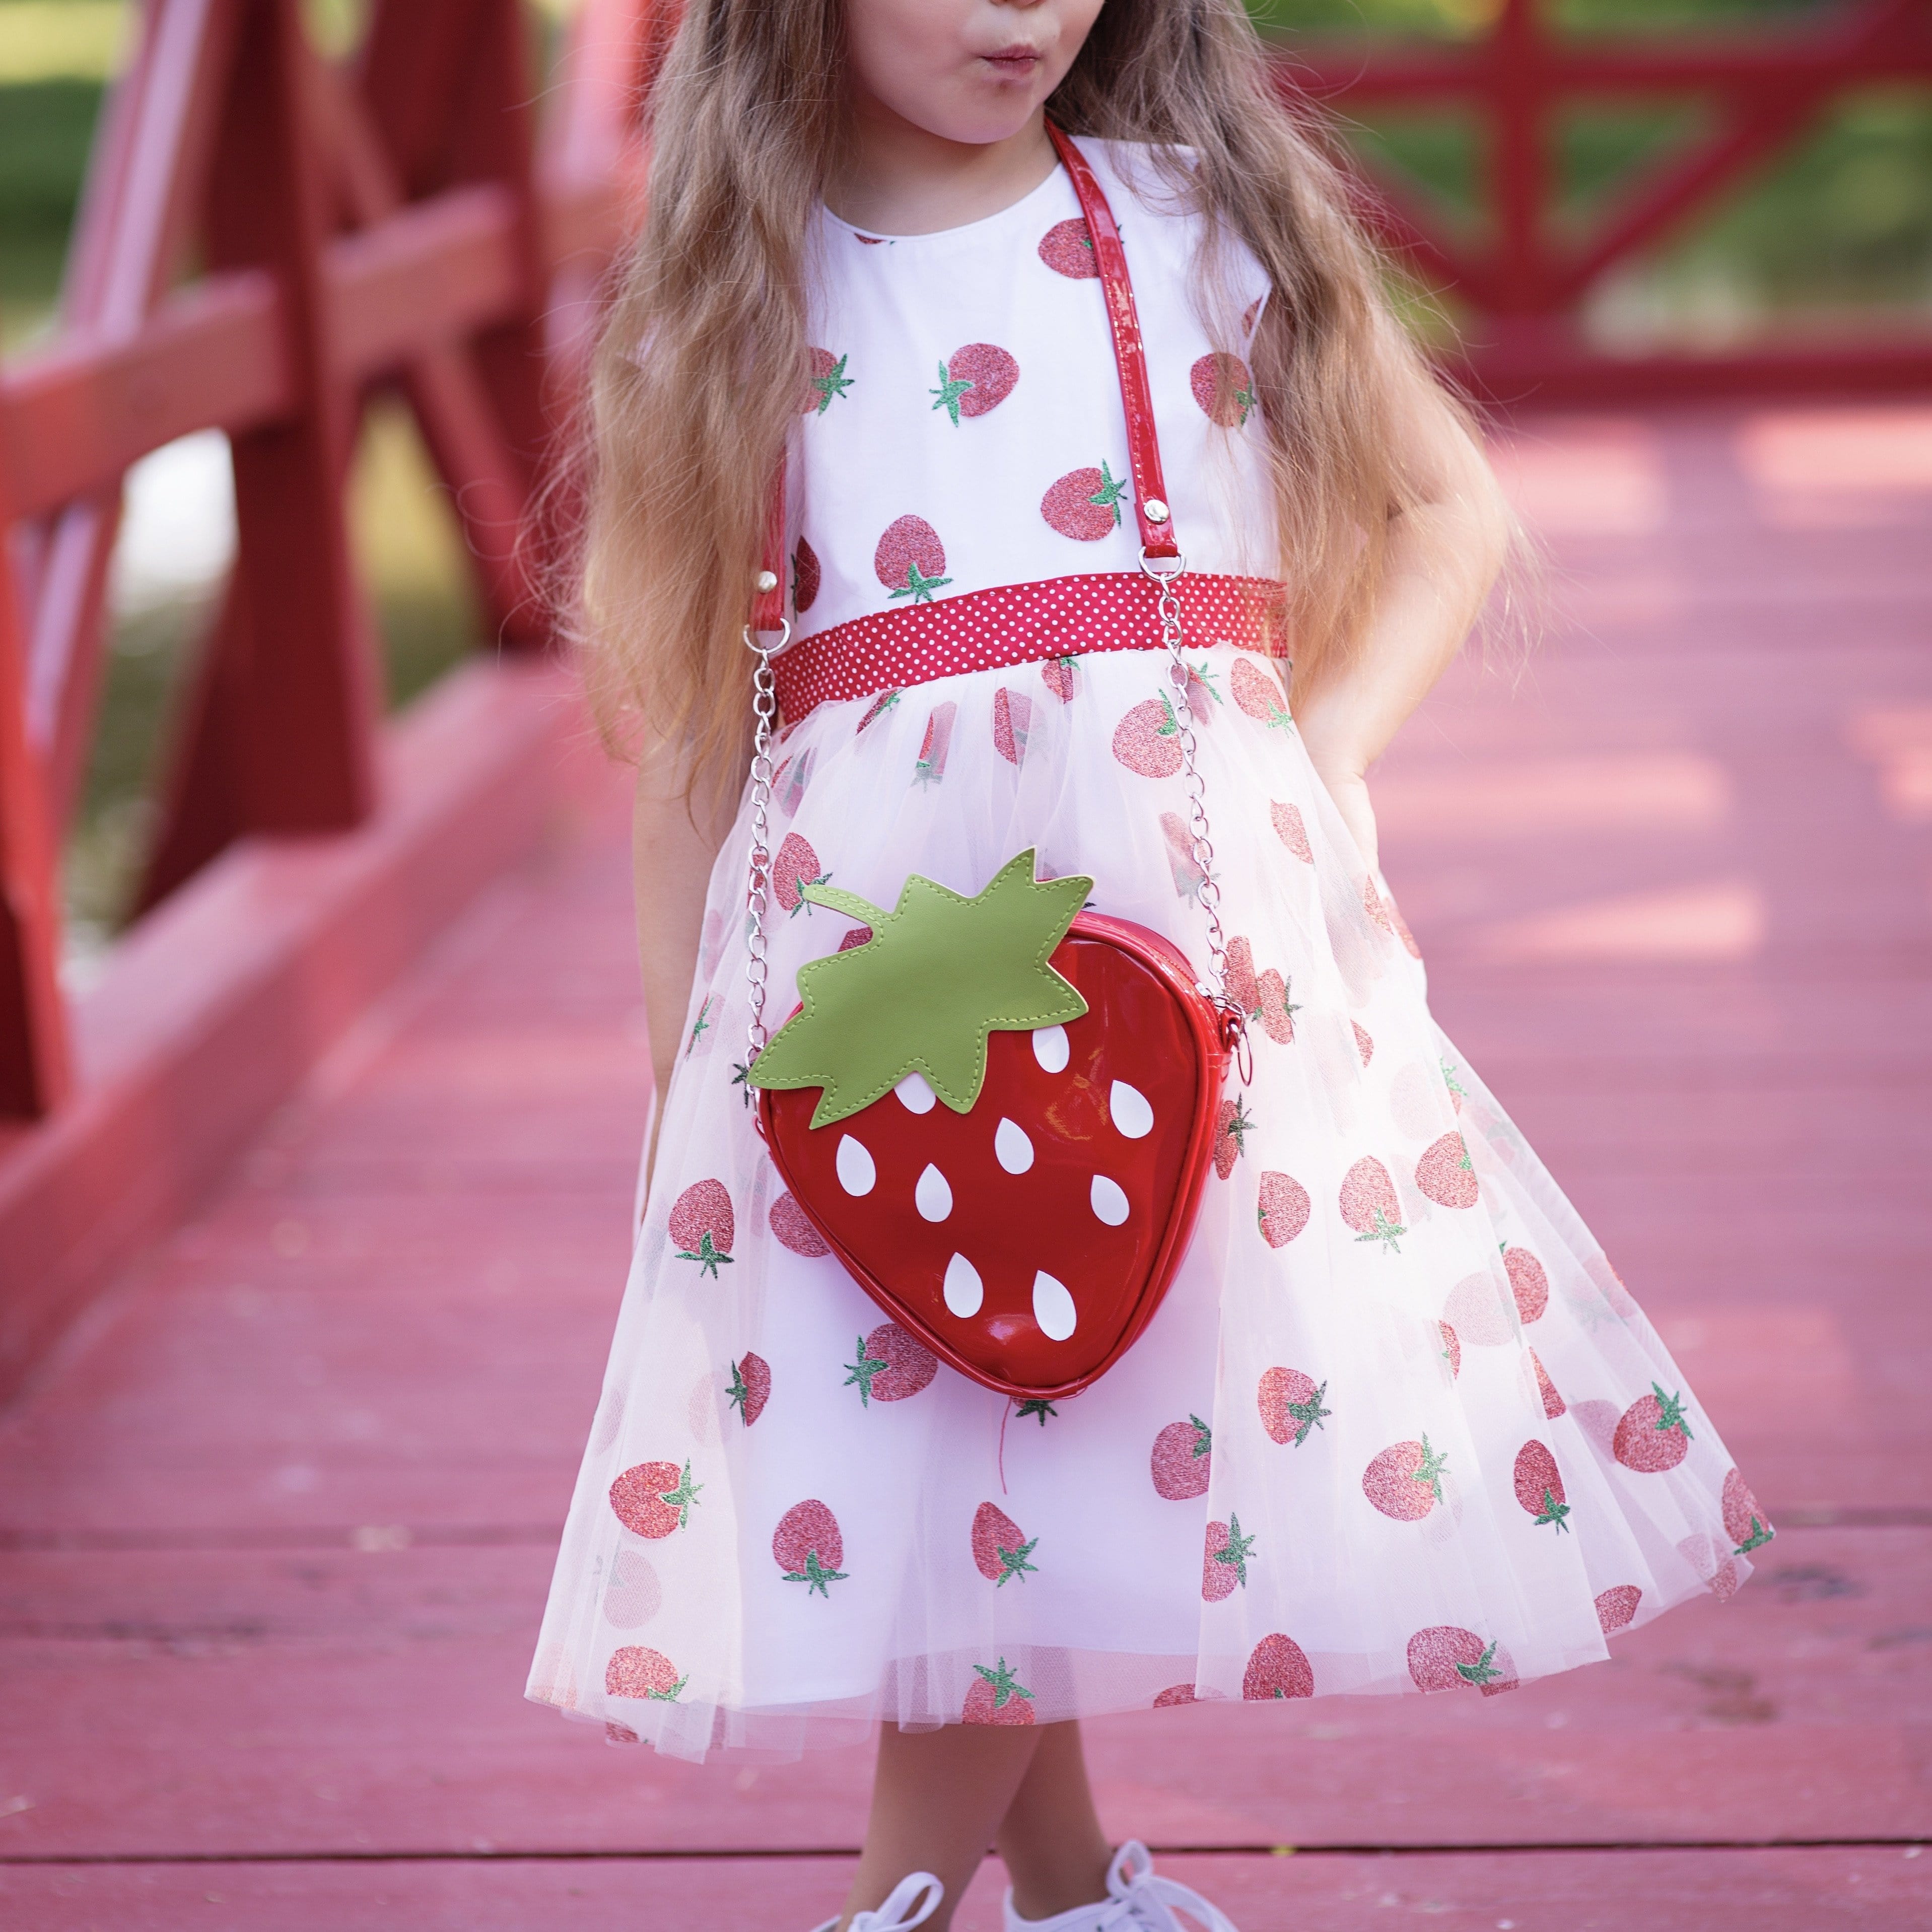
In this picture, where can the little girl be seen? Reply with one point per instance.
(1053, 342)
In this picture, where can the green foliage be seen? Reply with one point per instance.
(939, 974)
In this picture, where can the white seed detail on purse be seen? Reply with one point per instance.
(915, 1094)
(964, 1291)
(1050, 1049)
(933, 1196)
(1129, 1106)
(1110, 1201)
(1011, 1147)
(1053, 1307)
(856, 1171)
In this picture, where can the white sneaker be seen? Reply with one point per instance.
(1136, 1901)
(892, 1915)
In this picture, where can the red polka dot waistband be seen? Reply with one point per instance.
(1022, 623)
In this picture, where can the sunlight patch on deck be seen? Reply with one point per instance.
(1716, 919)
(1673, 791)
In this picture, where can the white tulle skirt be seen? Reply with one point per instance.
(1397, 1425)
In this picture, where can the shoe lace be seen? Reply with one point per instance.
(1140, 1901)
(892, 1915)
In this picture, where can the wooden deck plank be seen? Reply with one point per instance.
(367, 1700)
(1832, 1889)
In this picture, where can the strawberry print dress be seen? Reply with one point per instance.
(1397, 1425)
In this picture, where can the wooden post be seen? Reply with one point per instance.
(302, 656)
(34, 1070)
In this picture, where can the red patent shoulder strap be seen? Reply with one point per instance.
(1150, 505)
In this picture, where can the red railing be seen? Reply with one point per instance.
(391, 220)
(400, 219)
(1525, 283)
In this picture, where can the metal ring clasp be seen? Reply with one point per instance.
(753, 640)
(1172, 567)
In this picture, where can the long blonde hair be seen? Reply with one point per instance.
(704, 355)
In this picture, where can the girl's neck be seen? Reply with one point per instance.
(898, 178)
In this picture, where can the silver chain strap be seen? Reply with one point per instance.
(1201, 844)
(764, 711)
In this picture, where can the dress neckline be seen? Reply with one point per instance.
(985, 226)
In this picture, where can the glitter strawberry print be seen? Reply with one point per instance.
(1183, 1459)
(829, 382)
(1444, 1174)
(808, 1548)
(998, 1698)
(1277, 1666)
(1744, 1522)
(790, 780)
(702, 1227)
(1539, 1485)
(750, 1387)
(891, 1365)
(1446, 1658)
(1365, 1046)
(1291, 1405)
(1616, 1607)
(1067, 249)
(1061, 676)
(807, 574)
(1000, 1552)
(1256, 693)
(1652, 1434)
(1452, 1349)
(934, 745)
(974, 379)
(1369, 1206)
(1012, 721)
(1282, 1208)
(1224, 1563)
(1529, 1283)
(1290, 830)
(877, 709)
(793, 1230)
(1147, 740)
(1231, 1135)
(1553, 1404)
(652, 1499)
(1189, 874)
(637, 1671)
(1085, 504)
(911, 560)
(1223, 388)
(794, 866)
(1405, 1481)
(1262, 997)
(1479, 1313)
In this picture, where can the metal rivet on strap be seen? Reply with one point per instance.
(1156, 511)
(767, 583)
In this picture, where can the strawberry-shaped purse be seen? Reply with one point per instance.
(999, 1111)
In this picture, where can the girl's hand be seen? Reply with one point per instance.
(1350, 790)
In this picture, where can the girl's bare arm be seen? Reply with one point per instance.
(673, 843)
(1445, 554)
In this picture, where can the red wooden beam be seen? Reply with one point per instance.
(33, 1059)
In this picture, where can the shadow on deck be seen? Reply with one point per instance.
(276, 1521)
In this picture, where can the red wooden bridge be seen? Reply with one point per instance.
(313, 1211)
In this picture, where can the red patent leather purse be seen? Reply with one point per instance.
(999, 1111)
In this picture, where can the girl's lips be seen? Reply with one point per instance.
(1014, 60)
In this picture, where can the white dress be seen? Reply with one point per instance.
(1397, 1425)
